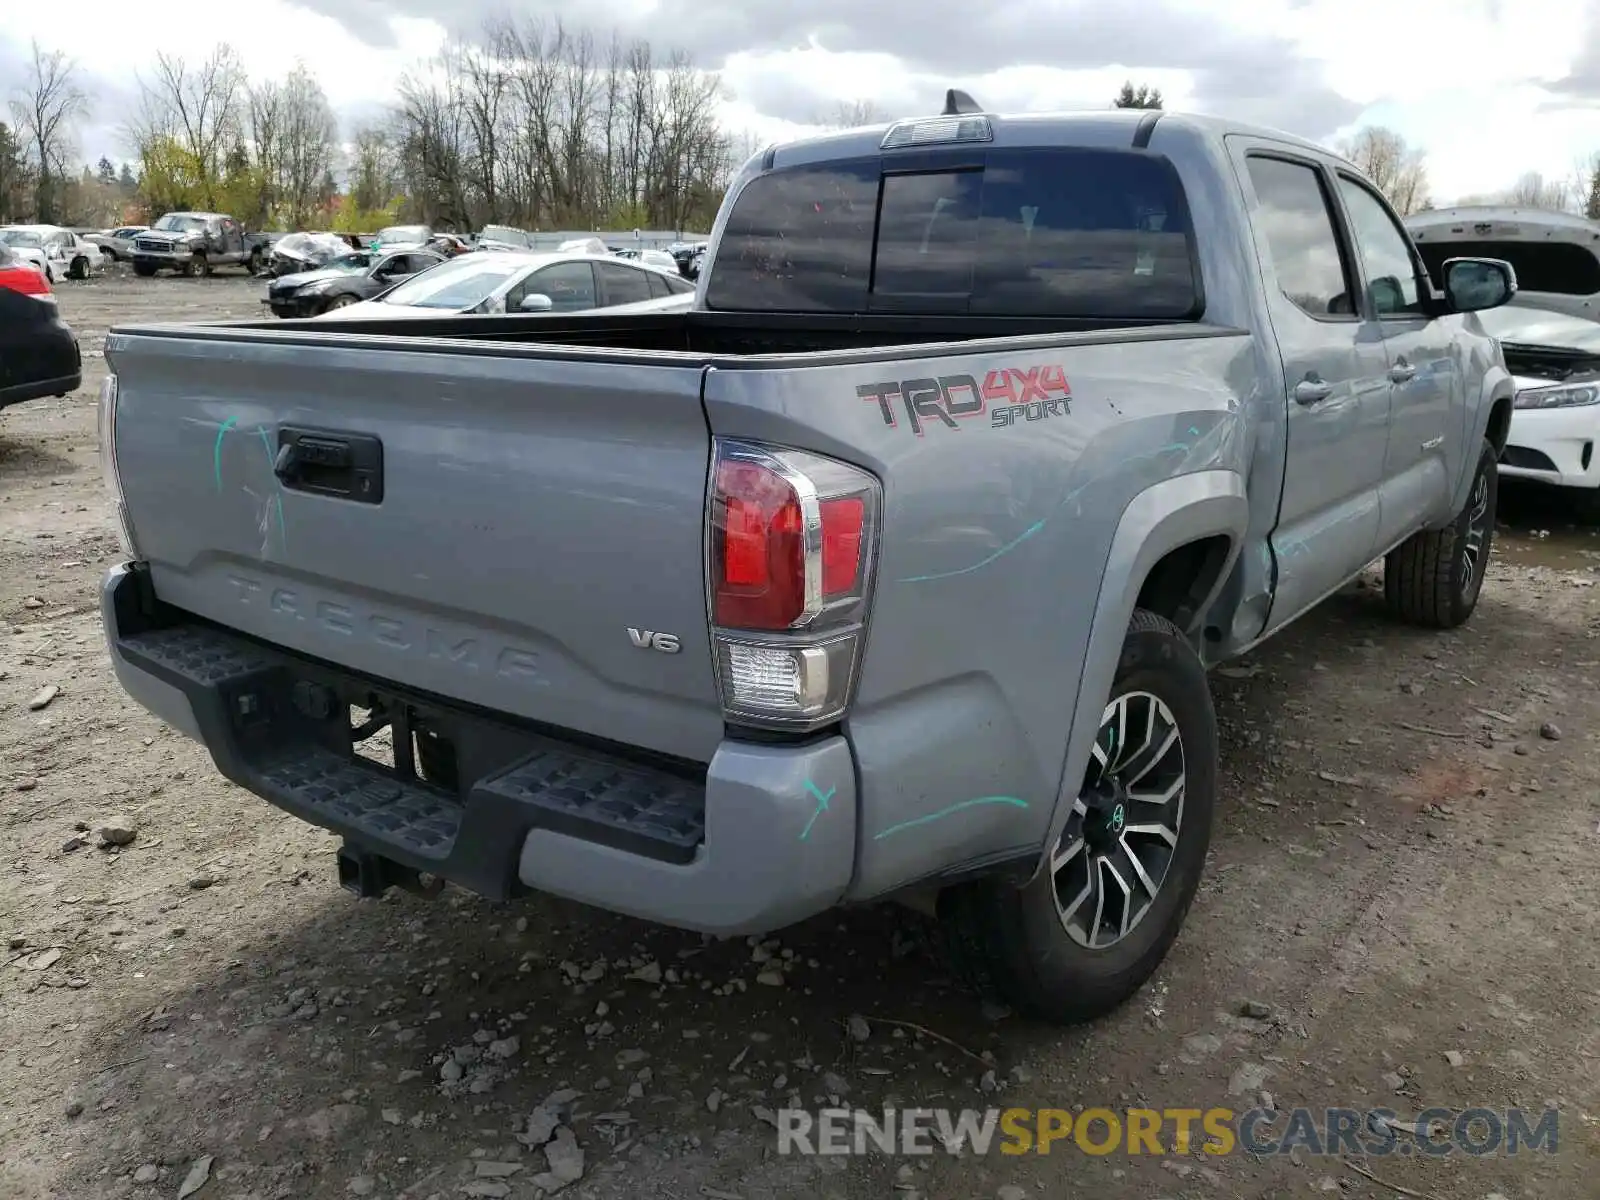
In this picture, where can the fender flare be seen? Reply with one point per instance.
(1158, 520)
(1497, 386)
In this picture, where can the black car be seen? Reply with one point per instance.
(357, 276)
(38, 354)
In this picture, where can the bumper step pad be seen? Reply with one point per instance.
(244, 701)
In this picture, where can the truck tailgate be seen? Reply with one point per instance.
(496, 525)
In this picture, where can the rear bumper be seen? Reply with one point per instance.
(1555, 445)
(761, 838)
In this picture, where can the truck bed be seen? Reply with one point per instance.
(697, 333)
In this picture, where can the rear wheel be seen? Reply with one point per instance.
(79, 269)
(1435, 576)
(1081, 937)
(253, 263)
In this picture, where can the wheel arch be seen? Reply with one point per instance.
(1174, 545)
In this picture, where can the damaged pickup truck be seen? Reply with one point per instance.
(892, 570)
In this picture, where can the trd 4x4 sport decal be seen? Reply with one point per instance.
(1008, 395)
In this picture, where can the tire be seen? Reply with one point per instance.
(144, 270)
(200, 265)
(1014, 943)
(1435, 576)
(253, 263)
(79, 269)
(339, 302)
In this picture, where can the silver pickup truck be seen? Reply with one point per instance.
(892, 570)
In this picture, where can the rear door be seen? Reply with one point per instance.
(1427, 412)
(621, 284)
(527, 508)
(1334, 377)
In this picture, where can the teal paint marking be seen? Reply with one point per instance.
(977, 802)
(822, 806)
(216, 450)
(1169, 448)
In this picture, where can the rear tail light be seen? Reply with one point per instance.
(27, 281)
(792, 544)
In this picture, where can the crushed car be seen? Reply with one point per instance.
(197, 243)
(294, 253)
(58, 253)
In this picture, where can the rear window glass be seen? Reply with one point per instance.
(1090, 233)
(1559, 267)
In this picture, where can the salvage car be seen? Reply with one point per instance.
(356, 276)
(892, 570)
(294, 253)
(498, 281)
(1556, 255)
(58, 253)
(117, 244)
(1554, 358)
(38, 352)
(197, 243)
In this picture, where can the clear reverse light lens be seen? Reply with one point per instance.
(1560, 396)
(934, 130)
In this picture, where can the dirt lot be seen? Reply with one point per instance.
(1403, 880)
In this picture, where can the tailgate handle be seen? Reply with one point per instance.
(348, 466)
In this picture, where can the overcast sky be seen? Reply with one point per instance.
(1490, 88)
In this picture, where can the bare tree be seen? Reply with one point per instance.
(1584, 191)
(1533, 190)
(308, 137)
(1397, 170)
(374, 168)
(197, 108)
(852, 114)
(46, 108)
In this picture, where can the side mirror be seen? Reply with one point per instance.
(536, 302)
(1474, 284)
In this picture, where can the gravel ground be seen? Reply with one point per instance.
(1402, 889)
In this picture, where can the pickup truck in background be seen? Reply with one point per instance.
(197, 244)
(891, 570)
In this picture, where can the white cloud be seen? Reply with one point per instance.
(1467, 80)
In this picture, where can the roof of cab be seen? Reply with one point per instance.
(1087, 127)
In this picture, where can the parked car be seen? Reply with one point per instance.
(117, 244)
(197, 243)
(893, 570)
(359, 275)
(503, 237)
(659, 259)
(58, 253)
(1554, 358)
(685, 255)
(499, 281)
(1556, 255)
(38, 353)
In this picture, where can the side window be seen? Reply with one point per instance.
(677, 285)
(624, 285)
(570, 286)
(1391, 271)
(658, 286)
(1292, 210)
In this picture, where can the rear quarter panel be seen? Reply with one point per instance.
(998, 532)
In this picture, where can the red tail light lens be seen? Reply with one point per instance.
(790, 535)
(25, 280)
(791, 538)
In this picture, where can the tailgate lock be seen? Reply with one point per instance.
(326, 462)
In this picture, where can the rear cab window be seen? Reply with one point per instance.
(1069, 232)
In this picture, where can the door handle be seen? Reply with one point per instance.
(1402, 372)
(1312, 391)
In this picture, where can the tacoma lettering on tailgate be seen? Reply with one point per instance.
(1007, 394)
(408, 636)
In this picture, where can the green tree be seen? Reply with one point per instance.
(106, 172)
(1143, 96)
